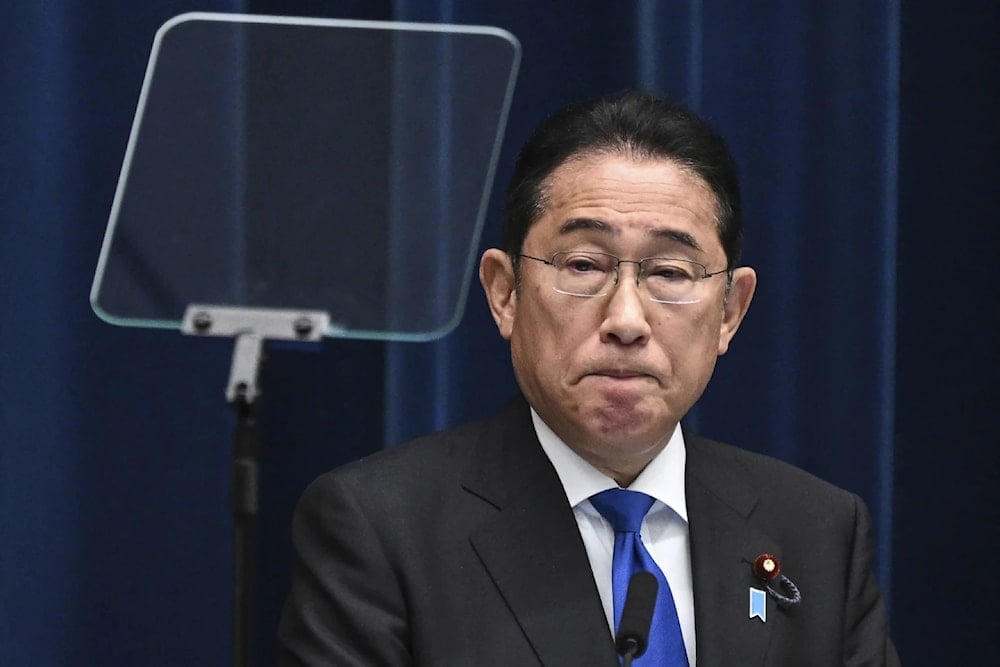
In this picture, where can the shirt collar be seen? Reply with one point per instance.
(663, 478)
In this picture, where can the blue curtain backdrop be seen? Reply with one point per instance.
(865, 132)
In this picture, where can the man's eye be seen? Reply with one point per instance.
(582, 265)
(671, 272)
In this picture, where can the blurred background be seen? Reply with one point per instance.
(866, 134)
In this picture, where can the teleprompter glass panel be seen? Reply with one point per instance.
(312, 164)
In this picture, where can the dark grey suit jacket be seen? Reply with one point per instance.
(461, 549)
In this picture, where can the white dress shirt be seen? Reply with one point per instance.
(664, 531)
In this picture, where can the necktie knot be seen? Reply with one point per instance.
(622, 508)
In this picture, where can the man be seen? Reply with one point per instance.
(493, 543)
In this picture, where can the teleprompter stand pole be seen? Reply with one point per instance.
(250, 328)
(244, 506)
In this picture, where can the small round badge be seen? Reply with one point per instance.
(766, 567)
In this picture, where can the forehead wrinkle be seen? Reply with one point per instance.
(556, 191)
(594, 224)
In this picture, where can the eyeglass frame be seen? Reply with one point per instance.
(706, 274)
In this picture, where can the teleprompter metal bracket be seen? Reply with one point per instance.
(250, 327)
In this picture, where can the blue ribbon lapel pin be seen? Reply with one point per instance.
(758, 604)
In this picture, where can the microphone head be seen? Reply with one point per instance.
(637, 614)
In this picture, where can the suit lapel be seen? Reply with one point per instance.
(532, 548)
(723, 548)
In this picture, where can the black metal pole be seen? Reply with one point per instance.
(244, 502)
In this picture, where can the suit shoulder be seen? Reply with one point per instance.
(766, 472)
(437, 452)
(417, 468)
(784, 501)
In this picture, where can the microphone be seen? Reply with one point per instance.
(637, 614)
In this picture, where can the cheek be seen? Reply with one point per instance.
(544, 343)
(548, 343)
(686, 341)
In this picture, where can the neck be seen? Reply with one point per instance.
(624, 477)
(624, 472)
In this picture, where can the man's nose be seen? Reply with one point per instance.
(625, 319)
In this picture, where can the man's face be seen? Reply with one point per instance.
(613, 374)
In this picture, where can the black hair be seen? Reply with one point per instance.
(634, 125)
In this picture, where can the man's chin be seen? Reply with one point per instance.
(630, 428)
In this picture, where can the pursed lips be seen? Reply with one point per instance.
(620, 373)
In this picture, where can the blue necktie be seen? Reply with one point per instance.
(625, 510)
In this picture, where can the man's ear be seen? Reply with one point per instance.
(736, 304)
(496, 273)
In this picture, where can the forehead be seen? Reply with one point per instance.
(615, 197)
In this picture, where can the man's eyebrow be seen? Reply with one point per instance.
(680, 237)
(577, 224)
(593, 224)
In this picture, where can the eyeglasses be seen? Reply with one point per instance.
(667, 280)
